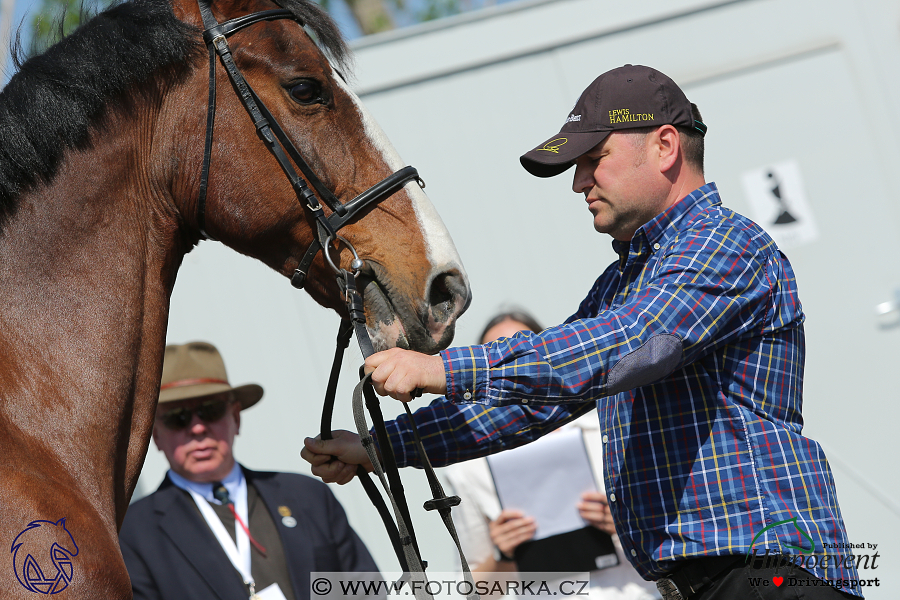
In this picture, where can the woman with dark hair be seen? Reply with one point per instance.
(507, 324)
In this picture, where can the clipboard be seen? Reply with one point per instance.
(545, 479)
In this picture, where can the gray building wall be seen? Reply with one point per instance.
(802, 88)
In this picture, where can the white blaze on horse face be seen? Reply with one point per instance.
(440, 249)
(439, 246)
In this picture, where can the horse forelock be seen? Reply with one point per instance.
(325, 31)
(50, 105)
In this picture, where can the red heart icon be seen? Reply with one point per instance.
(778, 581)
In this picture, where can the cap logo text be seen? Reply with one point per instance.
(624, 115)
(553, 145)
(573, 118)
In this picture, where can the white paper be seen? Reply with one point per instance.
(273, 592)
(545, 479)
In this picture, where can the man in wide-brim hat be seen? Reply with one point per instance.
(195, 397)
(215, 529)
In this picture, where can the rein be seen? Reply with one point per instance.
(273, 136)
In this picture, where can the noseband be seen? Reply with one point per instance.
(278, 143)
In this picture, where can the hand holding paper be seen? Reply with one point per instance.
(594, 508)
(510, 529)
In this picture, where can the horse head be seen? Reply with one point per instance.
(413, 283)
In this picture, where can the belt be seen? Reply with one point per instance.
(694, 575)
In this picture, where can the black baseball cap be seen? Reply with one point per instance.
(624, 98)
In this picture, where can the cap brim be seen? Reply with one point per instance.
(247, 395)
(560, 152)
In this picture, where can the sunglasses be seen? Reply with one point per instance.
(209, 412)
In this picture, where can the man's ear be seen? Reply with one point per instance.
(668, 144)
(155, 441)
(236, 407)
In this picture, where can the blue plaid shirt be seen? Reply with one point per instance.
(691, 349)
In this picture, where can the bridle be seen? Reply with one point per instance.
(278, 143)
(273, 136)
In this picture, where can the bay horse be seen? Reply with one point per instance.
(103, 190)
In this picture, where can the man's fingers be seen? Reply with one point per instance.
(335, 472)
(325, 456)
(404, 374)
(316, 450)
(512, 531)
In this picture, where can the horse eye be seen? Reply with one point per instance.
(307, 92)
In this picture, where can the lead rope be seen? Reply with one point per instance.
(400, 531)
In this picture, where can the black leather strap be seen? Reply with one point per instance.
(280, 146)
(278, 143)
(215, 37)
(207, 147)
(374, 194)
(215, 29)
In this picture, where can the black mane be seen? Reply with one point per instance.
(50, 104)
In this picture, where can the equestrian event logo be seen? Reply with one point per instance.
(42, 556)
(812, 544)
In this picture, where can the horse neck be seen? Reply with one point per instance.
(87, 265)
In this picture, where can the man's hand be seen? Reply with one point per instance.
(335, 460)
(594, 508)
(397, 373)
(510, 529)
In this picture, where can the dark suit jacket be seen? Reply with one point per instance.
(171, 553)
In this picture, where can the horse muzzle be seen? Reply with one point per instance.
(425, 323)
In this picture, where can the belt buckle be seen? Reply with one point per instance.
(669, 590)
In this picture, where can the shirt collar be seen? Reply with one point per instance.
(232, 483)
(655, 229)
(683, 210)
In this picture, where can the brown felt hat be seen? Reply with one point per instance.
(196, 369)
(624, 98)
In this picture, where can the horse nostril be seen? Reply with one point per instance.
(446, 291)
(440, 298)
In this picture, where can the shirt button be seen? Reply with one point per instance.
(524, 401)
(467, 395)
(612, 497)
(633, 552)
(605, 439)
(656, 246)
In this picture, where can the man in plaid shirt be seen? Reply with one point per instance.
(691, 349)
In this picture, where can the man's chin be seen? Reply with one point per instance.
(205, 471)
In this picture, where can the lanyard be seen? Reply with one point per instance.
(239, 554)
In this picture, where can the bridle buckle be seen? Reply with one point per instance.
(224, 43)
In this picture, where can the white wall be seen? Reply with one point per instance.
(809, 81)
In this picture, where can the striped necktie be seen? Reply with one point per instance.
(220, 493)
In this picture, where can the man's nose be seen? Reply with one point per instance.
(197, 425)
(582, 181)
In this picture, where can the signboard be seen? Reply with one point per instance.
(778, 203)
